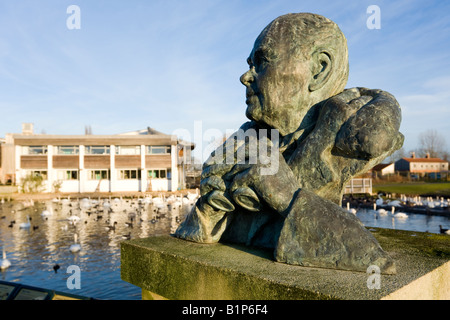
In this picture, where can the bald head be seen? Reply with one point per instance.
(297, 61)
(306, 35)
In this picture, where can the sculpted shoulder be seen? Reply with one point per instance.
(372, 126)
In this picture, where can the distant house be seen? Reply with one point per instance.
(383, 169)
(421, 166)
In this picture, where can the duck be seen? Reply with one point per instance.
(75, 247)
(4, 263)
(127, 236)
(56, 268)
(25, 225)
(129, 224)
(113, 227)
(444, 231)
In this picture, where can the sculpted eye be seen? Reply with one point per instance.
(249, 61)
(260, 59)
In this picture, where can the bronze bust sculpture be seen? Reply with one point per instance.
(321, 136)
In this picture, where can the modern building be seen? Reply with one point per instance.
(143, 160)
(421, 166)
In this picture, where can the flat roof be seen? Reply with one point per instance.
(44, 139)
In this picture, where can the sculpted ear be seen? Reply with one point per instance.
(321, 69)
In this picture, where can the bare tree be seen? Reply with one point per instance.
(433, 143)
(397, 155)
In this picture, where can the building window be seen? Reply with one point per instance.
(128, 150)
(158, 149)
(32, 150)
(67, 174)
(98, 174)
(159, 174)
(39, 173)
(67, 150)
(129, 174)
(97, 149)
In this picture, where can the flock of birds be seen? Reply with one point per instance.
(158, 205)
(161, 204)
(399, 203)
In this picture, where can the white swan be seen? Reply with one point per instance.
(4, 263)
(147, 199)
(395, 203)
(382, 212)
(74, 219)
(46, 213)
(25, 225)
(76, 246)
(192, 196)
(379, 201)
(85, 203)
(352, 210)
(158, 200)
(401, 215)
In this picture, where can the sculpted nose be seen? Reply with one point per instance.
(248, 77)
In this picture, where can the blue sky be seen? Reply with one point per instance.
(167, 64)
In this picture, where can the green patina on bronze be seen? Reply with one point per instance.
(317, 137)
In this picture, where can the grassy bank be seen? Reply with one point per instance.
(441, 189)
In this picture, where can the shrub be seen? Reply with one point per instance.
(32, 183)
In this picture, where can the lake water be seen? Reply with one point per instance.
(34, 251)
(413, 222)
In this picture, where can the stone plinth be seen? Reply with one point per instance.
(167, 267)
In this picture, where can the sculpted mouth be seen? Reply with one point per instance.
(249, 94)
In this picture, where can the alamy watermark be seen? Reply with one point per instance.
(74, 20)
(374, 20)
(374, 279)
(252, 146)
(74, 280)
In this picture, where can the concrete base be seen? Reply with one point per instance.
(167, 267)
